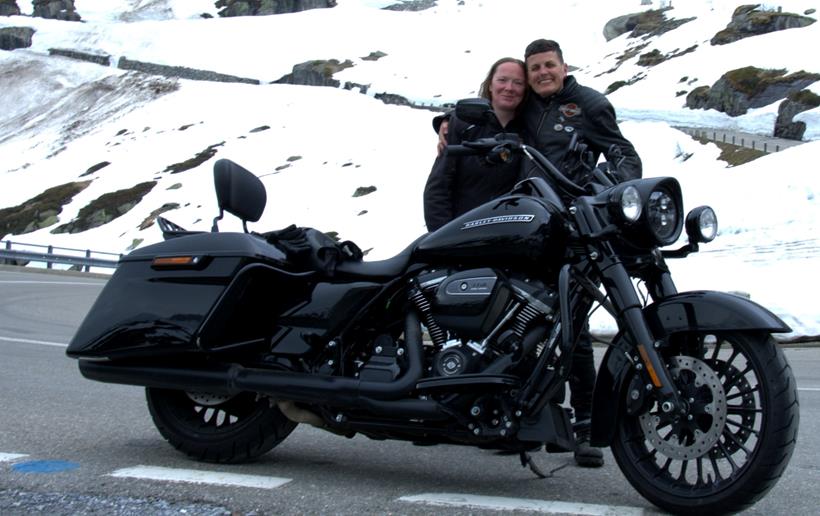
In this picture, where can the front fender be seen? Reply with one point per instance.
(708, 310)
(688, 311)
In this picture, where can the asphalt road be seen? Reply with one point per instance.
(72, 446)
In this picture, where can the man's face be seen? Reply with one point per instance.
(546, 73)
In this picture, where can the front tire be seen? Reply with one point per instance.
(736, 438)
(216, 428)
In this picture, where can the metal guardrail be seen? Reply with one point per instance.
(767, 144)
(84, 258)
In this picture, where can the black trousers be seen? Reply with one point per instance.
(582, 377)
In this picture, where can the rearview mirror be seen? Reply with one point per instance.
(238, 192)
(475, 111)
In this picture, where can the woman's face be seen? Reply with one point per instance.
(508, 86)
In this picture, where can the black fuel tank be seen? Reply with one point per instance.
(509, 231)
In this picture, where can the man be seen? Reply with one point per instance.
(557, 109)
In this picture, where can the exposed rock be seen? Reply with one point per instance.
(364, 190)
(795, 103)
(99, 166)
(40, 211)
(374, 56)
(620, 84)
(655, 57)
(648, 23)
(9, 8)
(56, 10)
(266, 7)
(106, 208)
(12, 38)
(194, 162)
(739, 90)
(751, 20)
(392, 98)
(315, 73)
(411, 5)
(152, 217)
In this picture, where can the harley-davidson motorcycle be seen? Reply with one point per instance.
(465, 337)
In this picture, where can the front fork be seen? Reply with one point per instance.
(629, 311)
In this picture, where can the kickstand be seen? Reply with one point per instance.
(526, 460)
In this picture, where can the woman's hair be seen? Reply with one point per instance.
(484, 89)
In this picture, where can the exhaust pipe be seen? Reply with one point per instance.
(280, 385)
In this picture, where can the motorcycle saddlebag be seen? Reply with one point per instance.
(160, 297)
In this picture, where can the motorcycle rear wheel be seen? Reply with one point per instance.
(215, 428)
(742, 399)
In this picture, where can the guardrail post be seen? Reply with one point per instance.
(8, 248)
(50, 252)
(87, 255)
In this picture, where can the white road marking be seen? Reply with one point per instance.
(520, 504)
(11, 457)
(29, 282)
(810, 389)
(200, 477)
(29, 341)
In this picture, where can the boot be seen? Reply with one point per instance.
(586, 456)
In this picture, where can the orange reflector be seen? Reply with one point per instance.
(175, 261)
(649, 369)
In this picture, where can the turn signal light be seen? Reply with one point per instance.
(176, 262)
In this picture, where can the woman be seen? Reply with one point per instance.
(458, 184)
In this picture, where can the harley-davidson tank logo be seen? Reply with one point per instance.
(570, 110)
(501, 219)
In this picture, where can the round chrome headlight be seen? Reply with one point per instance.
(701, 224)
(631, 204)
(664, 216)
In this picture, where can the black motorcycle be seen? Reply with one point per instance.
(465, 337)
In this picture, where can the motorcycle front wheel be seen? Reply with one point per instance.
(735, 437)
(217, 428)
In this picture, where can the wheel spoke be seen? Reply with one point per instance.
(730, 436)
(743, 393)
(683, 466)
(736, 409)
(717, 349)
(728, 457)
(715, 469)
(737, 377)
(700, 480)
(742, 427)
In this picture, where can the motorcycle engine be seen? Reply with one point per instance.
(474, 316)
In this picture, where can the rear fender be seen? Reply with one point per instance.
(700, 311)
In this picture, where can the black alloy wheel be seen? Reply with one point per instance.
(218, 428)
(734, 438)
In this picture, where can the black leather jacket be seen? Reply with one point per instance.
(459, 184)
(580, 110)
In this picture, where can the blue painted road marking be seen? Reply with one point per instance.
(44, 466)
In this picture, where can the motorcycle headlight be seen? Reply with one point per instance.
(649, 211)
(664, 216)
(631, 205)
(701, 224)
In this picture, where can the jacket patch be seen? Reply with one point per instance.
(570, 110)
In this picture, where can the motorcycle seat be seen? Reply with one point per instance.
(380, 270)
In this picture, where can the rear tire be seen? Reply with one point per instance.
(742, 399)
(215, 428)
